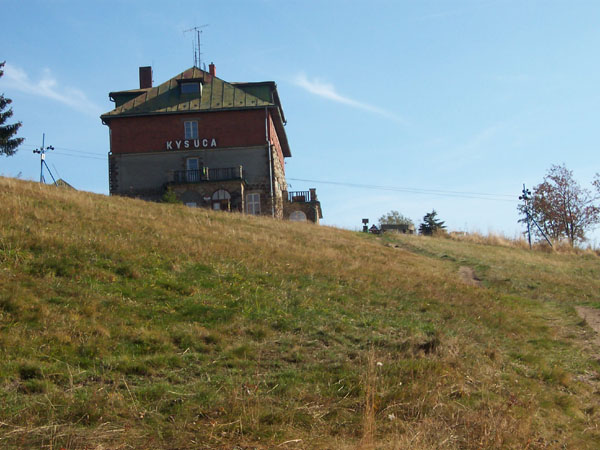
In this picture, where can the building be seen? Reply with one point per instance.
(404, 228)
(211, 143)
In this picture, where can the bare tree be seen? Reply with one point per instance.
(561, 207)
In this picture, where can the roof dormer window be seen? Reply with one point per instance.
(191, 87)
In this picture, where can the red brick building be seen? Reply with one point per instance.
(212, 143)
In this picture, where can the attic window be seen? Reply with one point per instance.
(192, 87)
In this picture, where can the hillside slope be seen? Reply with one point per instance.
(126, 324)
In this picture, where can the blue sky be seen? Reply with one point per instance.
(451, 105)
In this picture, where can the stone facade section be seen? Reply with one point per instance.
(211, 156)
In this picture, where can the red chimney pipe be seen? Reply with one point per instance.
(212, 70)
(145, 77)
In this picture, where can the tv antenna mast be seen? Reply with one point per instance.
(42, 152)
(197, 43)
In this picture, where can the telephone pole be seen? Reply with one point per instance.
(526, 197)
(42, 152)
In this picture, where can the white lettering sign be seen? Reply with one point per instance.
(195, 143)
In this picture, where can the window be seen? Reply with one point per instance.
(221, 200)
(193, 170)
(190, 88)
(253, 203)
(298, 216)
(191, 129)
(191, 204)
(221, 194)
(192, 164)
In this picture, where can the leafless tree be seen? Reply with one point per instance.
(561, 207)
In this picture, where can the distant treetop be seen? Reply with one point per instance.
(394, 218)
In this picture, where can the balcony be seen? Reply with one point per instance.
(205, 174)
(302, 196)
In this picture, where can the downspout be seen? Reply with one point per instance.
(270, 160)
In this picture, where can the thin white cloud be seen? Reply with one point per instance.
(328, 91)
(47, 86)
(475, 148)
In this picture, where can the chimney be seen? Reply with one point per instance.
(211, 69)
(145, 77)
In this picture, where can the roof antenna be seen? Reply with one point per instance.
(197, 43)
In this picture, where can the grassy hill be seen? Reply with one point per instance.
(126, 324)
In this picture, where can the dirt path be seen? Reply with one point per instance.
(592, 318)
(467, 274)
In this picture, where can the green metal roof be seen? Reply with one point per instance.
(217, 95)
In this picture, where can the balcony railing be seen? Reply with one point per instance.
(302, 196)
(206, 174)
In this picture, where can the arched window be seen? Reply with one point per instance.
(220, 200)
(298, 216)
(221, 194)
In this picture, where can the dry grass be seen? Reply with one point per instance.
(500, 240)
(125, 324)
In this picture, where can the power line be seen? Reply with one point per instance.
(78, 151)
(438, 192)
(99, 155)
(81, 156)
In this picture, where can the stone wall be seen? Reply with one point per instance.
(310, 209)
(201, 193)
(138, 173)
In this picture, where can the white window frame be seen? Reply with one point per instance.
(221, 194)
(253, 203)
(190, 129)
(193, 174)
(221, 200)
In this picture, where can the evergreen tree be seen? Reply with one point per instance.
(431, 225)
(8, 144)
(169, 196)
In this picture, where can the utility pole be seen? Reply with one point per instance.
(42, 152)
(526, 197)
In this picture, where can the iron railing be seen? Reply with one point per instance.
(206, 174)
(300, 196)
